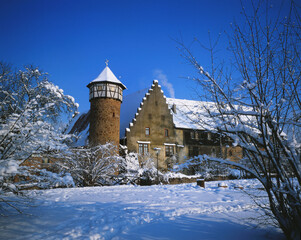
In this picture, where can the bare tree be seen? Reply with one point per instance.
(261, 111)
(92, 166)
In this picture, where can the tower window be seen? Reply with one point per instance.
(166, 134)
(113, 114)
(147, 131)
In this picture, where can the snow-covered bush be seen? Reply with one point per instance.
(31, 109)
(140, 169)
(206, 169)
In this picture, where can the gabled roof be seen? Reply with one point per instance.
(138, 107)
(107, 76)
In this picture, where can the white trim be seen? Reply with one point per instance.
(180, 146)
(169, 144)
(145, 142)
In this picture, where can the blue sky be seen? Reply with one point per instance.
(72, 39)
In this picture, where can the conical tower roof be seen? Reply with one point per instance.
(107, 76)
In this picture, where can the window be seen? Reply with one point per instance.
(147, 131)
(209, 136)
(149, 116)
(143, 148)
(112, 88)
(166, 133)
(169, 150)
(192, 135)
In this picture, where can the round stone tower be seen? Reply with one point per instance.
(105, 96)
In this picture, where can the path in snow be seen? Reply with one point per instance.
(129, 212)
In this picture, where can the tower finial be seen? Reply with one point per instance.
(107, 62)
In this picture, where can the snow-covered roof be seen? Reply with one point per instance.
(107, 76)
(80, 127)
(190, 114)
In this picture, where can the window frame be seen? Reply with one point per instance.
(143, 148)
(169, 150)
(166, 132)
(192, 134)
(147, 131)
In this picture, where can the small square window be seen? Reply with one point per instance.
(147, 131)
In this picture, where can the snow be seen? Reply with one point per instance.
(183, 211)
(107, 76)
(191, 114)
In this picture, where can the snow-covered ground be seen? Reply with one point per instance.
(183, 211)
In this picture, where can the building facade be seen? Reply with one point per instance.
(175, 127)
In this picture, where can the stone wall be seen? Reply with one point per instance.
(104, 121)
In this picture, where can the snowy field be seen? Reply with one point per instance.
(183, 211)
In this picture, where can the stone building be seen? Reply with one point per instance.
(176, 127)
(171, 130)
